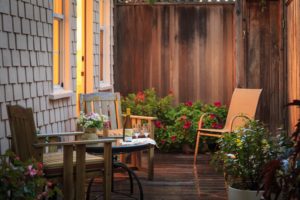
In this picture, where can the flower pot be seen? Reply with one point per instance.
(90, 134)
(234, 194)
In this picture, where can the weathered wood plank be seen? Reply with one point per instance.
(175, 178)
(169, 52)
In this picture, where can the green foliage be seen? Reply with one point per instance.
(281, 176)
(23, 180)
(244, 153)
(175, 125)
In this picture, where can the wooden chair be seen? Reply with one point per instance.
(68, 164)
(243, 104)
(109, 104)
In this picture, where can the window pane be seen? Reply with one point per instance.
(57, 6)
(56, 51)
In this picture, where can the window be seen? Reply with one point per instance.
(61, 51)
(105, 16)
(58, 19)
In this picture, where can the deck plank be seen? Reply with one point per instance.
(175, 179)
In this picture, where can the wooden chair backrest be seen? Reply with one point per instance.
(243, 102)
(23, 132)
(105, 103)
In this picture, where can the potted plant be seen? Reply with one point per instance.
(23, 180)
(91, 124)
(243, 154)
(281, 176)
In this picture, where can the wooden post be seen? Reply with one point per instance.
(80, 171)
(107, 170)
(68, 188)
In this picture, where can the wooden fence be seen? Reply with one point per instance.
(205, 51)
(186, 49)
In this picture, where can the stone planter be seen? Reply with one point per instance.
(234, 194)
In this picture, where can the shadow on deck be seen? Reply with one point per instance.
(175, 179)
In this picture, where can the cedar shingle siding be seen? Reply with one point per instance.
(26, 65)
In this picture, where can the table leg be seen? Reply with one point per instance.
(151, 163)
(107, 170)
(80, 172)
(68, 189)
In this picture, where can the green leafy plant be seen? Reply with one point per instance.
(281, 176)
(23, 180)
(243, 155)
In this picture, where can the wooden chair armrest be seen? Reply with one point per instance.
(236, 117)
(141, 117)
(80, 142)
(59, 134)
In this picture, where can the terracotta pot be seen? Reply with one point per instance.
(234, 194)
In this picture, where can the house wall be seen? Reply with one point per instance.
(26, 65)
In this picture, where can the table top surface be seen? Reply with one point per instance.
(123, 147)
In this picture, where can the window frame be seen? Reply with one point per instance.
(106, 28)
(61, 19)
(64, 89)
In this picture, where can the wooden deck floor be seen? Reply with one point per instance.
(176, 179)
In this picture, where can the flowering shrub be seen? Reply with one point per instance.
(182, 124)
(147, 103)
(175, 125)
(91, 120)
(23, 180)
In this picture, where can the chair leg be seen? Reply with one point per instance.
(197, 147)
(89, 189)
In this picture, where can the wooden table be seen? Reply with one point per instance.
(118, 133)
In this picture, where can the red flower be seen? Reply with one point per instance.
(140, 96)
(173, 138)
(39, 165)
(163, 142)
(158, 124)
(188, 103)
(202, 124)
(219, 126)
(212, 116)
(171, 93)
(218, 104)
(214, 125)
(187, 125)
